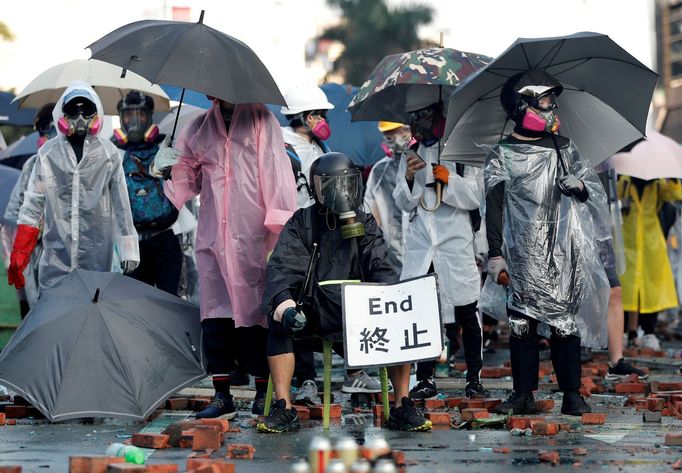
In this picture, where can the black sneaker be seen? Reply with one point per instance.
(280, 419)
(407, 418)
(221, 406)
(517, 404)
(425, 389)
(623, 369)
(573, 404)
(475, 390)
(258, 406)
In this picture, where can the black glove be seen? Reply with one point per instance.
(293, 320)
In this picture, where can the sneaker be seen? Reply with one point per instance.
(573, 404)
(517, 404)
(425, 389)
(307, 394)
(280, 419)
(475, 390)
(650, 341)
(221, 406)
(623, 369)
(258, 406)
(239, 378)
(360, 382)
(407, 418)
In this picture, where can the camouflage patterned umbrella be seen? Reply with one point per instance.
(382, 96)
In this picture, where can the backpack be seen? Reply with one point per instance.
(149, 205)
(474, 215)
(301, 179)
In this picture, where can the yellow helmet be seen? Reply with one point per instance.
(388, 126)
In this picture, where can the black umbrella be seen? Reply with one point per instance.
(192, 56)
(603, 107)
(103, 345)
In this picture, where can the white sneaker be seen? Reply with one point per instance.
(650, 341)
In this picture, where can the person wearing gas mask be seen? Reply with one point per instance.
(233, 157)
(350, 247)
(81, 171)
(379, 189)
(545, 212)
(440, 238)
(153, 213)
(28, 295)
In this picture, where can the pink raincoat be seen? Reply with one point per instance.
(247, 194)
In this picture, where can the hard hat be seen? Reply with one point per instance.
(388, 126)
(304, 98)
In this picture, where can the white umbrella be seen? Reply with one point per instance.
(187, 114)
(105, 78)
(656, 157)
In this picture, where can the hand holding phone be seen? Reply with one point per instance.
(414, 164)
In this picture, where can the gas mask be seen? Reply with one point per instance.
(397, 145)
(321, 129)
(80, 118)
(428, 124)
(546, 118)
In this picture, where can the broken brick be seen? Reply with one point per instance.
(378, 410)
(488, 372)
(438, 418)
(92, 463)
(548, 457)
(240, 451)
(16, 412)
(656, 404)
(302, 412)
(11, 422)
(521, 422)
(3, 419)
(544, 405)
(642, 404)
(317, 411)
(474, 413)
(145, 440)
(502, 450)
(223, 425)
(544, 428)
(580, 451)
(629, 388)
(453, 402)
(198, 404)
(10, 469)
(177, 404)
(431, 404)
(215, 465)
(472, 404)
(398, 458)
(673, 440)
(206, 437)
(491, 403)
(593, 418)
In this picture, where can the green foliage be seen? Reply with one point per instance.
(5, 33)
(370, 30)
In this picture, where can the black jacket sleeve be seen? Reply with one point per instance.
(494, 204)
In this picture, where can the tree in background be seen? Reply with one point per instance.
(5, 32)
(370, 30)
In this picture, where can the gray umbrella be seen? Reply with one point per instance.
(103, 345)
(603, 107)
(190, 55)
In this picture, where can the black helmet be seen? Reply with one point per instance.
(135, 111)
(337, 182)
(523, 90)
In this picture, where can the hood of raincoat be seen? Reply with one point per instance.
(85, 91)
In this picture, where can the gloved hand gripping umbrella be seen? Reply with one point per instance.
(383, 95)
(192, 56)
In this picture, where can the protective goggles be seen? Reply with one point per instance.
(77, 107)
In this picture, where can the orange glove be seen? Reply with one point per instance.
(441, 173)
(24, 243)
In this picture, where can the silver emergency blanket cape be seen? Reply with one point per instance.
(550, 241)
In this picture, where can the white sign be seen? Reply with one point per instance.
(391, 324)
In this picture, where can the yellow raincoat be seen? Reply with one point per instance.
(647, 283)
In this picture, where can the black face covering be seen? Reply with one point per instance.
(226, 114)
(427, 125)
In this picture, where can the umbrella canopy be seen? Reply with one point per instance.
(361, 141)
(10, 113)
(603, 106)
(8, 177)
(103, 345)
(656, 157)
(382, 96)
(27, 145)
(191, 97)
(103, 77)
(187, 114)
(192, 56)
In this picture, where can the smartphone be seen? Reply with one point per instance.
(411, 152)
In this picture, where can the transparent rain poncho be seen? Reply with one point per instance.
(551, 241)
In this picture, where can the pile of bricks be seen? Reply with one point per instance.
(18, 408)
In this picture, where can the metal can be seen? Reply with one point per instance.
(347, 450)
(319, 452)
(335, 465)
(300, 466)
(384, 466)
(360, 466)
(375, 447)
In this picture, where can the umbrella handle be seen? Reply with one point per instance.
(438, 187)
(177, 115)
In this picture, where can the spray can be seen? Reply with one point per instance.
(346, 450)
(384, 466)
(131, 453)
(300, 466)
(335, 466)
(375, 447)
(360, 466)
(319, 453)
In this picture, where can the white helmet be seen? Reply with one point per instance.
(304, 98)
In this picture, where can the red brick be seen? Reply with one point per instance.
(126, 468)
(223, 425)
(145, 440)
(206, 437)
(92, 463)
(673, 440)
(453, 402)
(431, 404)
(594, 418)
(302, 412)
(398, 458)
(505, 371)
(241, 451)
(11, 422)
(220, 466)
(629, 388)
(16, 412)
(544, 428)
(174, 432)
(548, 457)
(504, 450)
(3, 419)
(669, 386)
(162, 468)
(472, 404)
(438, 418)
(656, 404)
(544, 405)
(474, 413)
(490, 373)
(491, 403)
(187, 438)
(198, 404)
(521, 422)
(580, 451)
(641, 404)
(378, 410)
(177, 403)
(379, 397)
(10, 469)
(317, 410)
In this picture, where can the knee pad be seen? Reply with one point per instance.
(520, 328)
(564, 328)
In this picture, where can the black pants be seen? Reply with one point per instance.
(525, 356)
(227, 347)
(472, 339)
(160, 262)
(305, 363)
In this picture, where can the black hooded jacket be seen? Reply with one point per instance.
(337, 260)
